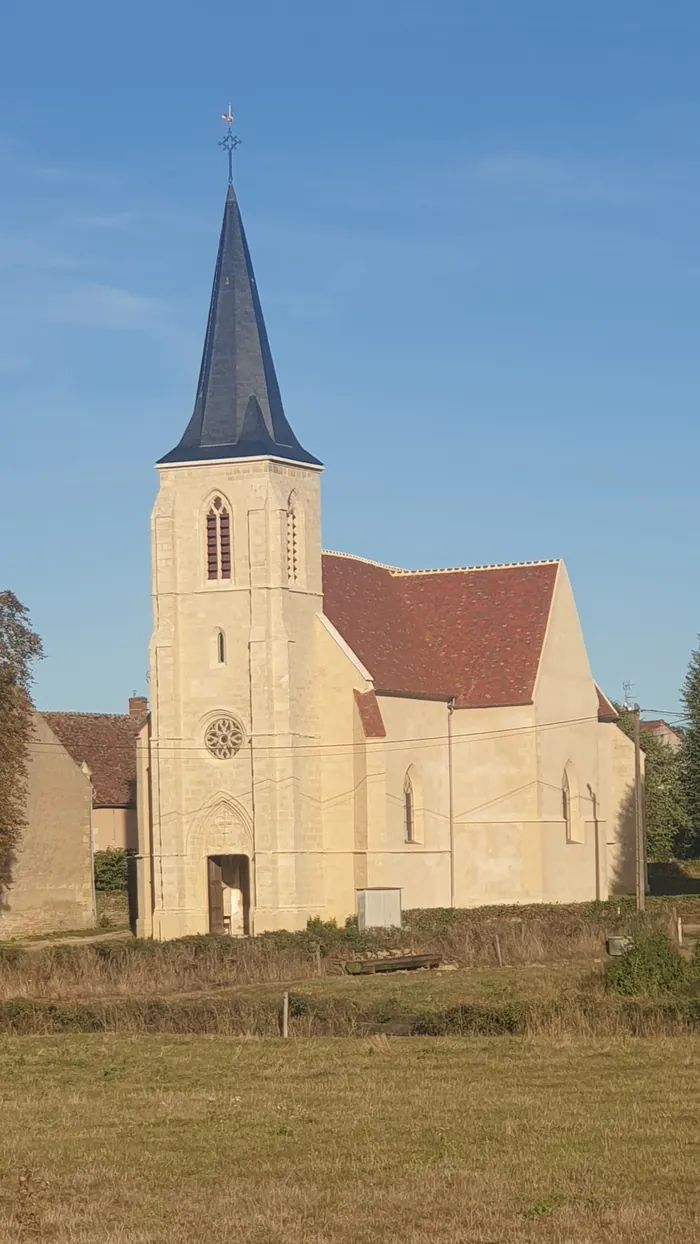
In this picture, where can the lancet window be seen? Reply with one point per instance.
(218, 541)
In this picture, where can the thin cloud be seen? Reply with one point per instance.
(553, 176)
(102, 221)
(23, 253)
(93, 305)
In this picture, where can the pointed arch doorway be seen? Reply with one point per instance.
(228, 878)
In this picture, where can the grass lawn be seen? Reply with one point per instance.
(148, 1140)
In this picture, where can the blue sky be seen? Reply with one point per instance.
(475, 231)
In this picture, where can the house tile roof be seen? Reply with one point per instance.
(662, 731)
(370, 715)
(475, 633)
(106, 742)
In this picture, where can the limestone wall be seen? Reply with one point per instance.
(497, 843)
(621, 822)
(352, 781)
(568, 733)
(52, 878)
(265, 801)
(416, 744)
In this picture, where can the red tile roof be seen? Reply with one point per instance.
(370, 715)
(606, 711)
(659, 726)
(475, 634)
(107, 744)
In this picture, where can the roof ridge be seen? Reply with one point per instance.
(69, 712)
(398, 570)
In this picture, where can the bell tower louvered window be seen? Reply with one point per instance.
(292, 540)
(218, 541)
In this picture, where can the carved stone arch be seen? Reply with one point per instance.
(223, 827)
(211, 498)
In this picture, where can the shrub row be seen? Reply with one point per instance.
(231, 1016)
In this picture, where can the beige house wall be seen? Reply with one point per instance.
(115, 827)
(199, 805)
(52, 878)
(664, 733)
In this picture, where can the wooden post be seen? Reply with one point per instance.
(317, 956)
(639, 817)
(679, 927)
(498, 951)
(285, 1015)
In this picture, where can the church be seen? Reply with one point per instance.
(329, 735)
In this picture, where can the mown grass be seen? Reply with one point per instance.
(153, 1140)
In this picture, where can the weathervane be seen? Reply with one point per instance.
(230, 142)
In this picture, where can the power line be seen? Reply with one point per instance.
(182, 748)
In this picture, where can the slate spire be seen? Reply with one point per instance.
(238, 410)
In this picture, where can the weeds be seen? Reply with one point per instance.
(139, 968)
(651, 965)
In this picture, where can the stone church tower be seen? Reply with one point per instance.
(229, 782)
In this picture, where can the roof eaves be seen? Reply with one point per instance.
(399, 570)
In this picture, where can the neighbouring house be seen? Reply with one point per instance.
(663, 732)
(52, 884)
(324, 725)
(106, 744)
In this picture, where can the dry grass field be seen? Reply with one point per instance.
(148, 1140)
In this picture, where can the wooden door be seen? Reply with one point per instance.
(216, 897)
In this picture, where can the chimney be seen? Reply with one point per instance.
(138, 706)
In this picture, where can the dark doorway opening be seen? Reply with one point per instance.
(229, 894)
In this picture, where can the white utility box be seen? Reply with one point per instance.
(378, 909)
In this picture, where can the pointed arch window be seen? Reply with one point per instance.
(218, 541)
(566, 804)
(221, 648)
(292, 540)
(409, 810)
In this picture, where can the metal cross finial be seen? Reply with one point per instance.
(230, 142)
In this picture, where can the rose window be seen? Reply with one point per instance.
(224, 737)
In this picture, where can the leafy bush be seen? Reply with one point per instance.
(651, 965)
(111, 869)
(471, 1020)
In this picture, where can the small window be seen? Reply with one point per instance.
(409, 811)
(221, 648)
(218, 541)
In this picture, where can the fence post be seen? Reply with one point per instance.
(285, 1014)
(317, 957)
(498, 951)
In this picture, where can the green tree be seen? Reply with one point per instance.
(691, 753)
(664, 793)
(20, 646)
(111, 870)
